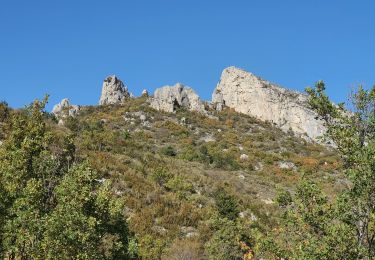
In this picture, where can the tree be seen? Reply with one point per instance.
(315, 228)
(310, 228)
(354, 135)
(50, 205)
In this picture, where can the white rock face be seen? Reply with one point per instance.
(114, 91)
(65, 109)
(169, 98)
(253, 96)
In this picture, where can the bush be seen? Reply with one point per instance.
(224, 243)
(160, 176)
(226, 204)
(4, 111)
(72, 124)
(284, 198)
(179, 185)
(126, 135)
(190, 154)
(169, 151)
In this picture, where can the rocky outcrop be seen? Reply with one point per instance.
(145, 93)
(170, 98)
(248, 94)
(114, 91)
(64, 109)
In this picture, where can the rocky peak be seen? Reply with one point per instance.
(169, 98)
(64, 109)
(251, 95)
(144, 93)
(114, 91)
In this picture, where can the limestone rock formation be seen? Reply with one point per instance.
(249, 94)
(145, 93)
(169, 98)
(65, 109)
(114, 91)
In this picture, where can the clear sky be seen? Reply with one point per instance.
(66, 48)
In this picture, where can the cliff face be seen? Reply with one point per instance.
(253, 96)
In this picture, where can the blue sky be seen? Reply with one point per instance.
(66, 48)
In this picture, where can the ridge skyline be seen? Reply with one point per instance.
(137, 91)
(66, 49)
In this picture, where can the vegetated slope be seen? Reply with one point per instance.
(187, 177)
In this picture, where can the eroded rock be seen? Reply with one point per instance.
(170, 98)
(145, 93)
(248, 94)
(64, 109)
(114, 91)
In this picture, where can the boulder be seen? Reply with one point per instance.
(114, 91)
(251, 95)
(65, 109)
(170, 98)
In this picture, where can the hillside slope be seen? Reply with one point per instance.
(179, 173)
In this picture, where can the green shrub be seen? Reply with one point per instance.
(178, 184)
(224, 243)
(284, 198)
(160, 176)
(226, 204)
(189, 154)
(4, 111)
(126, 135)
(169, 151)
(72, 124)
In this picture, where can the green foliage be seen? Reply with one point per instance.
(126, 135)
(178, 184)
(169, 151)
(85, 171)
(225, 243)
(226, 204)
(190, 154)
(213, 156)
(315, 228)
(72, 123)
(310, 228)
(151, 248)
(160, 176)
(96, 137)
(49, 208)
(4, 111)
(87, 221)
(284, 198)
(353, 133)
(133, 248)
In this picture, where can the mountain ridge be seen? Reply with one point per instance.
(237, 89)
